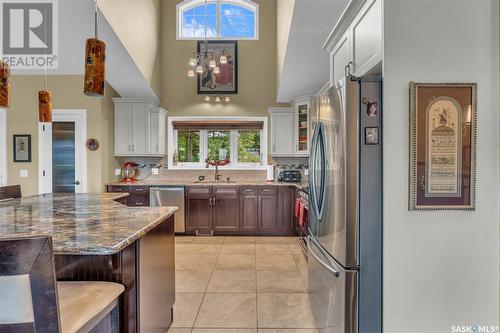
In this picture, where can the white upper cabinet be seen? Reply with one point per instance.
(139, 128)
(356, 41)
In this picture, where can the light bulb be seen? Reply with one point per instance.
(223, 59)
(227, 99)
(217, 99)
(192, 62)
(199, 69)
(207, 98)
(190, 73)
(212, 64)
(216, 70)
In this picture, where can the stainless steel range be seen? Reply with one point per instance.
(345, 205)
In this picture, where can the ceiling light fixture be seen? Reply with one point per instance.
(207, 98)
(95, 53)
(227, 99)
(45, 96)
(4, 84)
(217, 99)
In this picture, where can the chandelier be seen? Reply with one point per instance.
(214, 58)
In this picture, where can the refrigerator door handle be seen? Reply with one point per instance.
(329, 268)
(321, 205)
(312, 169)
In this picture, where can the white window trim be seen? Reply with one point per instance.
(172, 144)
(3, 147)
(186, 4)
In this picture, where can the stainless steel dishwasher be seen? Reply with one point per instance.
(170, 196)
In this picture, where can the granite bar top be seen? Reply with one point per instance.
(83, 224)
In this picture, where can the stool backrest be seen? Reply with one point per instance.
(28, 292)
(10, 192)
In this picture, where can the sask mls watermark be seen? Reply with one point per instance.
(474, 328)
(29, 33)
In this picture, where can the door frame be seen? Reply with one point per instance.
(3, 147)
(79, 116)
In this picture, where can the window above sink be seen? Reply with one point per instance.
(240, 140)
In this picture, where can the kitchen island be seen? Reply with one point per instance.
(96, 238)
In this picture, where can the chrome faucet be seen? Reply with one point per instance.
(207, 165)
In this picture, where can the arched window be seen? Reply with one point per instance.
(223, 19)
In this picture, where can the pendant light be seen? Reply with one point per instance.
(95, 54)
(4, 84)
(45, 96)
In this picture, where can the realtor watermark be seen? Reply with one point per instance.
(474, 328)
(29, 33)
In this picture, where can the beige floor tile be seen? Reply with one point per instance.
(295, 248)
(239, 240)
(178, 330)
(280, 282)
(186, 308)
(238, 248)
(227, 311)
(232, 281)
(284, 311)
(180, 248)
(191, 281)
(210, 249)
(183, 239)
(196, 262)
(224, 330)
(208, 240)
(288, 330)
(275, 240)
(271, 262)
(236, 261)
(305, 277)
(301, 261)
(272, 249)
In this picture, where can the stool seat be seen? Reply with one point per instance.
(84, 304)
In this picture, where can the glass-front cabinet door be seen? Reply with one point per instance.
(302, 131)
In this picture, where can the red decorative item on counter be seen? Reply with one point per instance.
(219, 163)
(128, 172)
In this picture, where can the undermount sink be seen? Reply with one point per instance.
(221, 181)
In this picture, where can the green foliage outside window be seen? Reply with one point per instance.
(218, 143)
(188, 145)
(248, 146)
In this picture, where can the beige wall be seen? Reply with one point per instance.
(136, 23)
(22, 118)
(284, 11)
(256, 70)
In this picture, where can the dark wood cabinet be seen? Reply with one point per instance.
(199, 210)
(249, 210)
(268, 213)
(287, 218)
(138, 195)
(226, 209)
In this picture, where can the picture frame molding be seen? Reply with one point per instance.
(413, 181)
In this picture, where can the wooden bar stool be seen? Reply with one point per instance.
(32, 301)
(10, 192)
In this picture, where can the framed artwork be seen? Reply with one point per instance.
(226, 82)
(22, 147)
(371, 136)
(442, 146)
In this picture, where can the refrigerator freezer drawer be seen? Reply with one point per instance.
(333, 292)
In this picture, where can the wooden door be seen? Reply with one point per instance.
(268, 208)
(226, 209)
(199, 209)
(249, 209)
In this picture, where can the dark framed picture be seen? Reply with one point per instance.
(442, 146)
(371, 136)
(226, 81)
(22, 147)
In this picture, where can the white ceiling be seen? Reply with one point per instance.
(306, 65)
(76, 24)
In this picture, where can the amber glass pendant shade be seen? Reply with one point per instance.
(4, 85)
(45, 106)
(95, 53)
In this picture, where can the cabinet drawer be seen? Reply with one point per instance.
(248, 190)
(139, 190)
(138, 200)
(118, 188)
(268, 189)
(199, 190)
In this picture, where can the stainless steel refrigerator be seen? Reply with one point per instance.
(345, 214)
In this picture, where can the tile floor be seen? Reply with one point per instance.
(241, 285)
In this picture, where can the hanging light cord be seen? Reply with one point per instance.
(45, 84)
(95, 19)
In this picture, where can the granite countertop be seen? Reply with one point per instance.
(83, 224)
(183, 182)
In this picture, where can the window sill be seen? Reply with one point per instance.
(236, 167)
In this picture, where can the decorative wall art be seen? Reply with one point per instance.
(226, 80)
(22, 147)
(442, 145)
